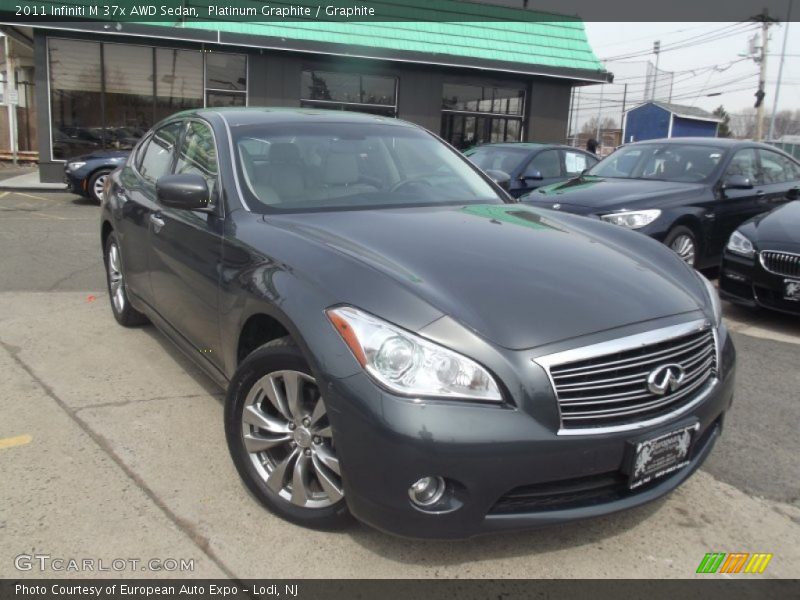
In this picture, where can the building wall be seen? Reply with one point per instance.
(646, 122)
(274, 79)
(693, 128)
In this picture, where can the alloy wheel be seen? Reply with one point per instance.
(115, 278)
(99, 184)
(288, 438)
(684, 246)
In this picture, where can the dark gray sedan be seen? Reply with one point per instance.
(399, 340)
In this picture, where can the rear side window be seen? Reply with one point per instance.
(158, 155)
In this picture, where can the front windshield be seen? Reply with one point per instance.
(313, 166)
(664, 162)
(497, 158)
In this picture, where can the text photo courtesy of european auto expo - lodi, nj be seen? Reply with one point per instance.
(453, 298)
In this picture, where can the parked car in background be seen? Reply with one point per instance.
(761, 262)
(689, 193)
(86, 175)
(522, 167)
(402, 342)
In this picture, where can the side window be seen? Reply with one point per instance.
(744, 162)
(576, 162)
(548, 163)
(776, 168)
(198, 154)
(158, 154)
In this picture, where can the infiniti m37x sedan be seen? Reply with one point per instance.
(401, 341)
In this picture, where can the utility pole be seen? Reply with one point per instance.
(766, 21)
(771, 135)
(657, 52)
(11, 86)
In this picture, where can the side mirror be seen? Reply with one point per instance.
(533, 174)
(737, 182)
(187, 191)
(501, 178)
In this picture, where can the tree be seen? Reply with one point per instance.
(724, 129)
(606, 123)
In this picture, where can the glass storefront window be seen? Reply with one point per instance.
(473, 114)
(226, 71)
(129, 102)
(143, 85)
(179, 81)
(349, 91)
(75, 97)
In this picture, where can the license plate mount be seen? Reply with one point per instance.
(661, 455)
(791, 290)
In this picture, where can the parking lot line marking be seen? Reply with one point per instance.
(48, 216)
(11, 442)
(4, 194)
(31, 196)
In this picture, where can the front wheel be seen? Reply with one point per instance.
(96, 184)
(684, 243)
(280, 438)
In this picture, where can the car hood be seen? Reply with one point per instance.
(516, 276)
(598, 192)
(782, 225)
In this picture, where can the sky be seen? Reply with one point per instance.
(700, 68)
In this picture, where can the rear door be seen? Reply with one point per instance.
(781, 177)
(136, 198)
(186, 250)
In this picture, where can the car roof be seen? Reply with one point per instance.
(237, 116)
(701, 141)
(526, 145)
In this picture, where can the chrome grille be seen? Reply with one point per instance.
(607, 385)
(781, 263)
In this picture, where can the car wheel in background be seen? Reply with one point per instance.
(280, 438)
(124, 313)
(683, 242)
(96, 183)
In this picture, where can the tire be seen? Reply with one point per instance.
(124, 313)
(683, 242)
(283, 449)
(96, 182)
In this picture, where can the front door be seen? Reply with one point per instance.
(186, 251)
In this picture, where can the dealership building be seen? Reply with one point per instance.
(98, 86)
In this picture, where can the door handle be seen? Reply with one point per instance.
(760, 193)
(157, 221)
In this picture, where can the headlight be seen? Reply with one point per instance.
(713, 296)
(739, 244)
(635, 219)
(409, 365)
(74, 166)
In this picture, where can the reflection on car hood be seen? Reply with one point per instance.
(517, 276)
(598, 192)
(101, 154)
(781, 225)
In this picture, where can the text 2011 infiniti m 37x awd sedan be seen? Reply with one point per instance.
(400, 340)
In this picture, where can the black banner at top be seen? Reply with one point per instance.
(377, 11)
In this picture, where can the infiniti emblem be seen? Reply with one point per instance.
(666, 377)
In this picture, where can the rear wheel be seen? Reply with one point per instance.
(280, 438)
(684, 243)
(124, 313)
(96, 183)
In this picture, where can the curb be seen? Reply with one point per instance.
(8, 188)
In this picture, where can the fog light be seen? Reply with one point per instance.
(427, 491)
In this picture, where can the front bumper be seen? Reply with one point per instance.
(76, 182)
(744, 281)
(508, 470)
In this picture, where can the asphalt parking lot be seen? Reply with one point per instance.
(111, 446)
